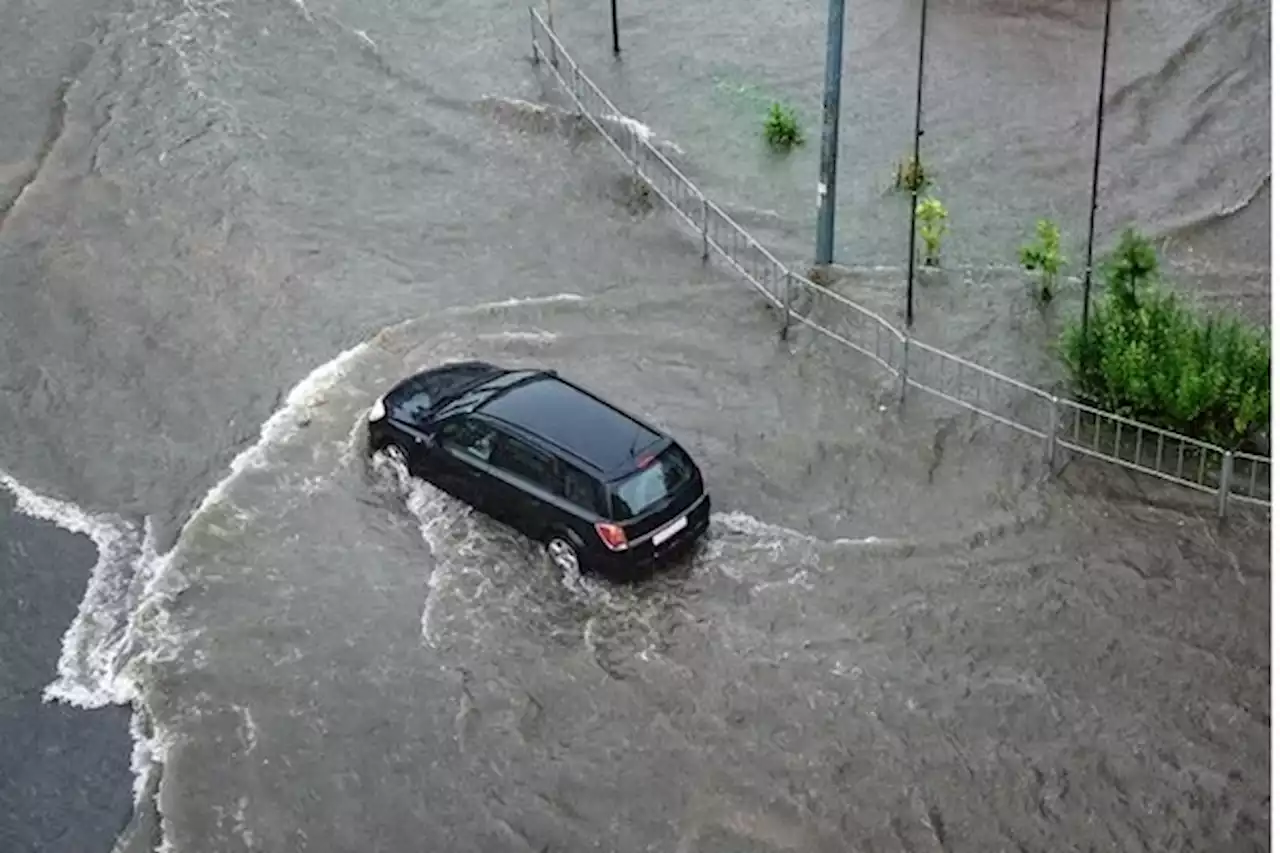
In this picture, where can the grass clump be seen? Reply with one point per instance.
(1044, 256)
(782, 128)
(1149, 356)
(931, 218)
(911, 176)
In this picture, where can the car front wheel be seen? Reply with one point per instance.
(564, 556)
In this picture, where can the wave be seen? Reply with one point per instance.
(122, 625)
(91, 647)
(551, 118)
(644, 131)
(1225, 210)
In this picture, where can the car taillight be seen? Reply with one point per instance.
(613, 536)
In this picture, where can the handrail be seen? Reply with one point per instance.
(1216, 469)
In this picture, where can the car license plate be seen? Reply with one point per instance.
(671, 530)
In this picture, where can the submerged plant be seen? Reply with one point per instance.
(911, 176)
(931, 218)
(1044, 256)
(782, 128)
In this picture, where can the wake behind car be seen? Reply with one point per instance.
(600, 488)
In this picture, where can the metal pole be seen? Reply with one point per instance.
(915, 154)
(613, 12)
(902, 370)
(1051, 440)
(1224, 483)
(1097, 159)
(533, 32)
(830, 134)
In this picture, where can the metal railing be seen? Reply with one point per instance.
(1063, 425)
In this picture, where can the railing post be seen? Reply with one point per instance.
(1224, 483)
(533, 33)
(706, 216)
(902, 371)
(1051, 440)
(551, 28)
(786, 302)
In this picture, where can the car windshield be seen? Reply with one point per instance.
(415, 407)
(474, 397)
(650, 486)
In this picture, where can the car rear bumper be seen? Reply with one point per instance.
(644, 558)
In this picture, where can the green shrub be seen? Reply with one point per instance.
(782, 128)
(932, 222)
(911, 176)
(1150, 357)
(1044, 256)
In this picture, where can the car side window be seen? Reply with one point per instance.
(580, 489)
(526, 462)
(470, 436)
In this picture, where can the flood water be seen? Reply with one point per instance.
(226, 227)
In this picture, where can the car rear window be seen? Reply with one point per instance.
(648, 487)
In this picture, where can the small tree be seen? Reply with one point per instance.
(911, 176)
(1044, 255)
(1130, 266)
(931, 216)
(782, 128)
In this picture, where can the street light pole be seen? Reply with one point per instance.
(613, 14)
(916, 171)
(1097, 159)
(830, 135)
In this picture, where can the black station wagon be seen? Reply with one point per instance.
(601, 489)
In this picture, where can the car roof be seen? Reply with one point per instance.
(573, 420)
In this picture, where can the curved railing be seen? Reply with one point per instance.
(1064, 425)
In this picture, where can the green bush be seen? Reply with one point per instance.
(1044, 255)
(932, 217)
(1150, 357)
(782, 128)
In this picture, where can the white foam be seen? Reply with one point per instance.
(740, 522)
(248, 728)
(521, 104)
(242, 824)
(644, 132)
(536, 336)
(1231, 209)
(437, 514)
(285, 422)
(519, 301)
(142, 762)
(634, 125)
